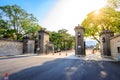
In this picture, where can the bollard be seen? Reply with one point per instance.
(6, 76)
(59, 53)
(53, 53)
(66, 53)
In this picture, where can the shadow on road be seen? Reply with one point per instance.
(70, 69)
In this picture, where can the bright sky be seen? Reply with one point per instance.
(58, 14)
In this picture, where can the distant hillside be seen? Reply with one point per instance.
(90, 42)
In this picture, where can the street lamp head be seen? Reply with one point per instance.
(103, 39)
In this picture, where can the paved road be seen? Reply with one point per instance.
(44, 68)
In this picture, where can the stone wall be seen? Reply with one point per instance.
(49, 47)
(115, 47)
(10, 47)
(31, 46)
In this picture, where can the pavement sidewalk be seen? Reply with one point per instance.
(65, 54)
(16, 56)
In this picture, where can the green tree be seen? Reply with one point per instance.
(62, 39)
(55, 38)
(113, 3)
(105, 19)
(3, 28)
(30, 28)
(17, 19)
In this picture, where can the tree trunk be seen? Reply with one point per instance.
(96, 39)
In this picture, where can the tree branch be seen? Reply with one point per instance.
(96, 39)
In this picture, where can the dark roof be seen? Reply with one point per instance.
(118, 35)
(43, 31)
(79, 27)
(106, 32)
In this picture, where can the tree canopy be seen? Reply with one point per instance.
(113, 3)
(106, 18)
(62, 39)
(18, 22)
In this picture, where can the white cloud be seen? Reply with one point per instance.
(69, 13)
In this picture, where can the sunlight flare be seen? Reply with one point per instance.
(68, 13)
(97, 12)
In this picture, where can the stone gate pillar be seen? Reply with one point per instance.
(79, 40)
(43, 39)
(105, 36)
